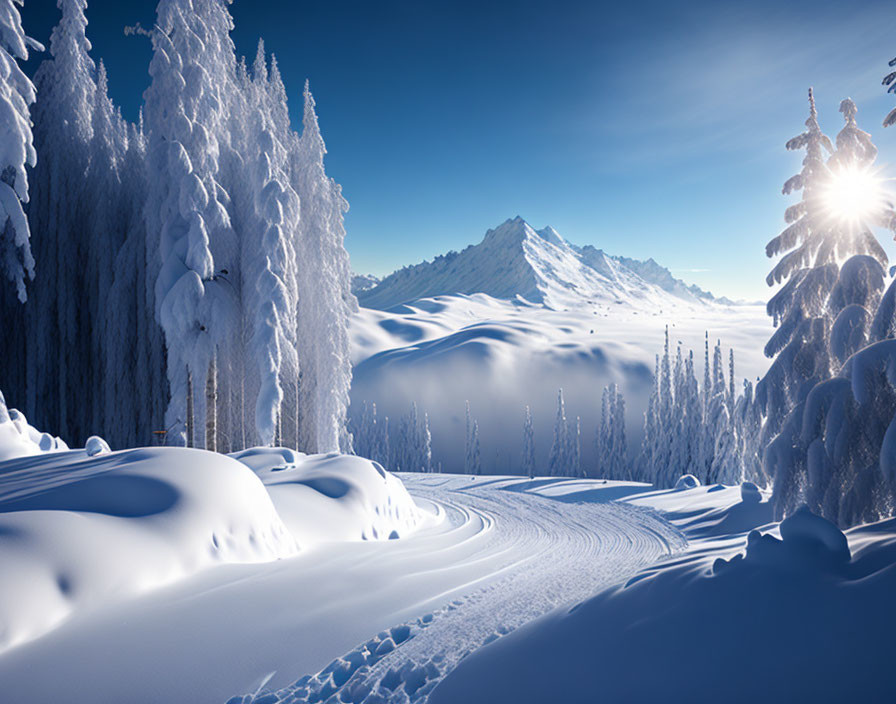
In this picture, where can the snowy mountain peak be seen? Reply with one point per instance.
(516, 261)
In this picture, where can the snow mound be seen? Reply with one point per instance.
(813, 597)
(687, 481)
(96, 446)
(331, 497)
(805, 537)
(79, 531)
(19, 439)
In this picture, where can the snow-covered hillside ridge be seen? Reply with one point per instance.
(514, 260)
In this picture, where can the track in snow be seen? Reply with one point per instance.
(543, 553)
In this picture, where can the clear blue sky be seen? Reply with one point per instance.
(647, 129)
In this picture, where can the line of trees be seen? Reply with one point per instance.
(188, 274)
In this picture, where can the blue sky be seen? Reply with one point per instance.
(647, 129)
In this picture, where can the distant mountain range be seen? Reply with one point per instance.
(515, 261)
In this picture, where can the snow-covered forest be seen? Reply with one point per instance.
(182, 280)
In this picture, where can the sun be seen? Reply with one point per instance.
(854, 194)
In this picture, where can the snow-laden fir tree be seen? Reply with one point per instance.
(610, 442)
(17, 151)
(468, 439)
(575, 440)
(619, 457)
(528, 445)
(61, 207)
(831, 452)
(270, 288)
(326, 302)
(426, 446)
(813, 246)
(192, 72)
(475, 453)
(560, 460)
(649, 444)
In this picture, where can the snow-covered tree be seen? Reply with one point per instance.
(528, 445)
(649, 459)
(17, 151)
(186, 206)
(817, 239)
(426, 446)
(560, 460)
(325, 302)
(829, 451)
(475, 454)
(468, 439)
(620, 448)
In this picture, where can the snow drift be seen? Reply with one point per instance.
(82, 529)
(331, 497)
(801, 618)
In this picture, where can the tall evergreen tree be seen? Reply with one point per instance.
(528, 445)
(16, 96)
(559, 460)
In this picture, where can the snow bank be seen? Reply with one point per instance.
(795, 619)
(78, 531)
(323, 498)
(19, 439)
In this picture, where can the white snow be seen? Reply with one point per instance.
(20, 439)
(85, 529)
(791, 619)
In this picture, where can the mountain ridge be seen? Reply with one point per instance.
(514, 261)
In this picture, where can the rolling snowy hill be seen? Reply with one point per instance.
(516, 261)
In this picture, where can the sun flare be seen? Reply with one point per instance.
(854, 194)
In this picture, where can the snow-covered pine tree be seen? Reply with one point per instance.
(475, 453)
(666, 426)
(679, 451)
(528, 445)
(269, 275)
(808, 270)
(426, 445)
(829, 453)
(576, 449)
(325, 299)
(59, 216)
(649, 452)
(559, 460)
(620, 449)
(193, 72)
(468, 439)
(602, 437)
(16, 96)
(693, 414)
(748, 422)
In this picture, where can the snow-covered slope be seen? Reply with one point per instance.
(802, 614)
(502, 356)
(515, 261)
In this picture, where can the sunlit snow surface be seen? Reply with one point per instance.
(159, 575)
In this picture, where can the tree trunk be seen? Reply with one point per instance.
(211, 407)
(189, 409)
